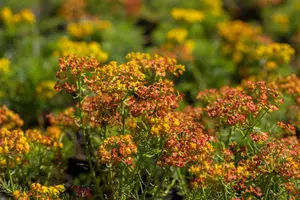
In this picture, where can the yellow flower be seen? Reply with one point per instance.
(189, 45)
(27, 16)
(271, 65)
(279, 53)
(67, 47)
(46, 192)
(14, 146)
(215, 7)
(87, 27)
(177, 34)
(102, 25)
(24, 16)
(81, 29)
(4, 65)
(46, 89)
(188, 15)
(6, 15)
(279, 18)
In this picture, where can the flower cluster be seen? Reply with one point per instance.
(238, 38)
(281, 19)
(9, 119)
(117, 149)
(241, 169)
(233, 106)
(24, 16)
(188, 15)
(214, 7)
(64, 119)
(67, 47)
(185, 144)
(73, 9)
(38, 191)
(4, 65)
(87, 28)
(18, 195)
(274, 54)
(13, 145)
(82, 192)
(147, 91)
(180, 51)
(51, 138)
(46, 192)
(46, 89)
(289, 85)
(158, 64)
(177, 34)
(288, 128)
(73, 68)
(157, 99)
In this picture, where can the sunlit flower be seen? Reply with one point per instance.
(9, 119)
(188, 15)
(67, 47)
(4, 65)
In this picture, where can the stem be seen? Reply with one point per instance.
(168, 188)
(120, 195)
(11, 180)
(87, 143)
(123, 117)
(229, 136)
(225, 191)
(268, 189)
(181, 181)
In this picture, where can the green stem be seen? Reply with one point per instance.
(229, 136)
(87, 143)
(225, 192)
(268, 189)
(123, 117)
(181, 181)
(11, 180)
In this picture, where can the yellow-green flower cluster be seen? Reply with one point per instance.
(46, 192)
(281, 19)
(24, 16)
(235, 30)
(38, 191)
(275, 54)
(177, 34)
(13, 146)
(87, 28)
(18, 195)
(215, 7)
(67, 47)
(50, 139)
(188, 15)
(46, 89)
(4, 65)
(238, 39)
(9, 119)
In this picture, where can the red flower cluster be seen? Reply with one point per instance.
(186, 143)
(234, 106)
(71, 69)
(117, 149)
